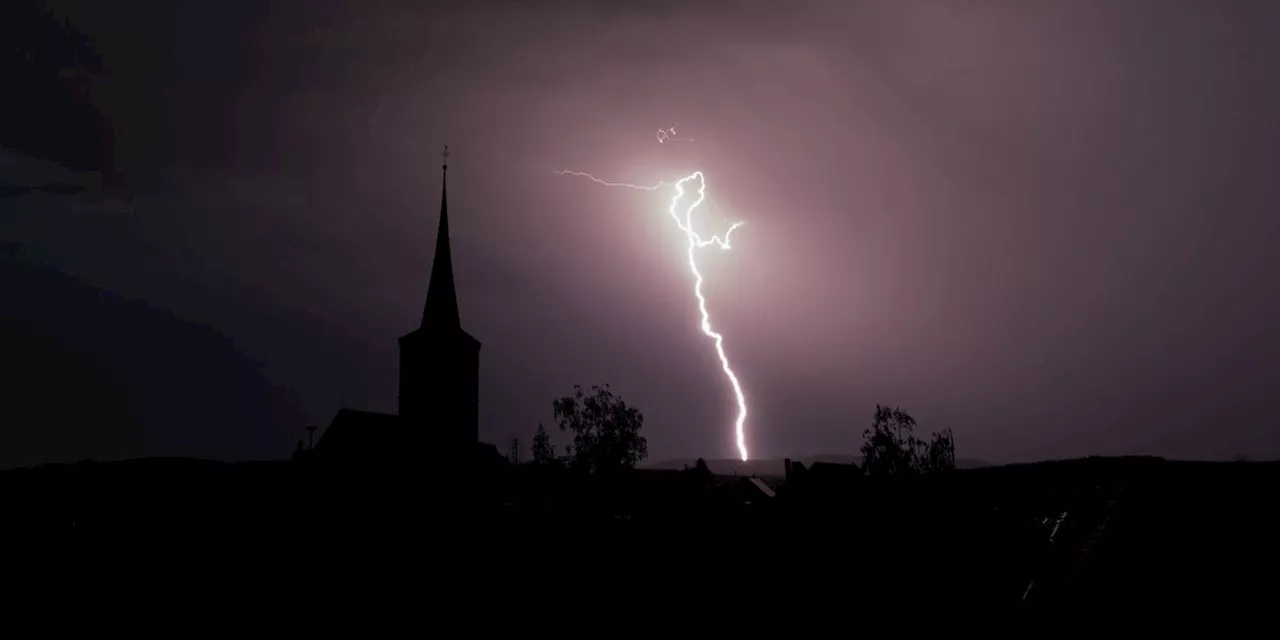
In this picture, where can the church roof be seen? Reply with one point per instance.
(369, 439)
(758, 485)
(441, 309)
(360, 434)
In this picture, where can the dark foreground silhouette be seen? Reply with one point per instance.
(406, 526)
(171, 547)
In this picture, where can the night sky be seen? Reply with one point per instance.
(1046, 225)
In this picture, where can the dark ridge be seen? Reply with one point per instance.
(93, 375)
(773, 467)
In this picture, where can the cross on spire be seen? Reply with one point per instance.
(445, 154)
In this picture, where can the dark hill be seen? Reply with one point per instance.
(91, 375)
(168, 547)
(772, 467)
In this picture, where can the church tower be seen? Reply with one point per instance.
(439, 361)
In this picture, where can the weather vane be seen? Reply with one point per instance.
(445, 154)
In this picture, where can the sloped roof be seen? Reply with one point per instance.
(372, 438)
(831, 471)
(762, 487)
(441, 309)
(360, 434)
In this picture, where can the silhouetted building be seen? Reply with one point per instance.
(754, 490)
(360, 437)
(439, 399)
(819, 482)
(396, 486)
(440, 362)
(835, 473)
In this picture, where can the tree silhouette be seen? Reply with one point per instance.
(606, 432)
(701, 467)
(890, 447)
(940, 454)
(702, 473)
(543, 451)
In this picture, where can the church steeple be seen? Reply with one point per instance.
(440, 361)
(441, 309)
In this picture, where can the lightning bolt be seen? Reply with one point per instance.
(669, 135)
(695, 242)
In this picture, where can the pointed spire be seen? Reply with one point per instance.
(441, 309)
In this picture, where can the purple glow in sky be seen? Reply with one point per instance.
(681, 209)
(1049, 226)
